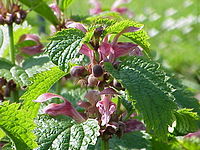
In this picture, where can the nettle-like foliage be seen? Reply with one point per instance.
(122, 97)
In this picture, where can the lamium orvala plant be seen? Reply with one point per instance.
(92, 85)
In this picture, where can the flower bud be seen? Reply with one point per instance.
(92, 80)
(23, 14)
(2, 82)
(17, 18)
(9, 18)
(98, 31)
(31, 50)
(82, 82)
(97, 70)
(77, 71)
(12, 85)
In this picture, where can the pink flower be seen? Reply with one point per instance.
(97, 7)
(77, 25)
(110, 51)
(194, 134)
(65, 108)
(122, 10)
(106, 107)
(56, 10)
(31, 50)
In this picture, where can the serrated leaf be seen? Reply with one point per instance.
(42, 8)
(183, 97)
(17, 125)
(62, 133)
(84, 134)
(37, 64)
(139, 37)
(186, 121)
(16, 73)
(130, 141)
(64, 47)
(41, 83)
(147, 84)
(52, 133)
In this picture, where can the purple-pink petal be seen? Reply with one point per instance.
(47, 96)
(86, 51)
(65, 108)
(133, 125)
(194, 134)
(137, 51)
(96, 7)
(56, 10)
(106, 108)
(31, 50)
(123, 48)
(108, 91)
(77, 25)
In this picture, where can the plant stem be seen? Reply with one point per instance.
(15, 94)
(58, 87)
(12, 48)
(104, 144)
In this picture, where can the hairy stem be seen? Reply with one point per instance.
(104, 144)
(12, 48)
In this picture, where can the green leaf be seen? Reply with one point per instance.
(37, 64)
(139, 37)
(41, 8)
(16, 73)
(17, 125)
(130, 141)
(147, 84)
(64, 4)
(2, 134)
(186, 121)
(41, 83)
(1, 38)
(62, 133)
(5, 64)
(127, 104)
(64, 47)
(52, 133)
(183, 97)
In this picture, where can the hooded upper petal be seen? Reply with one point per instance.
(77, 25)
(65, 108)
